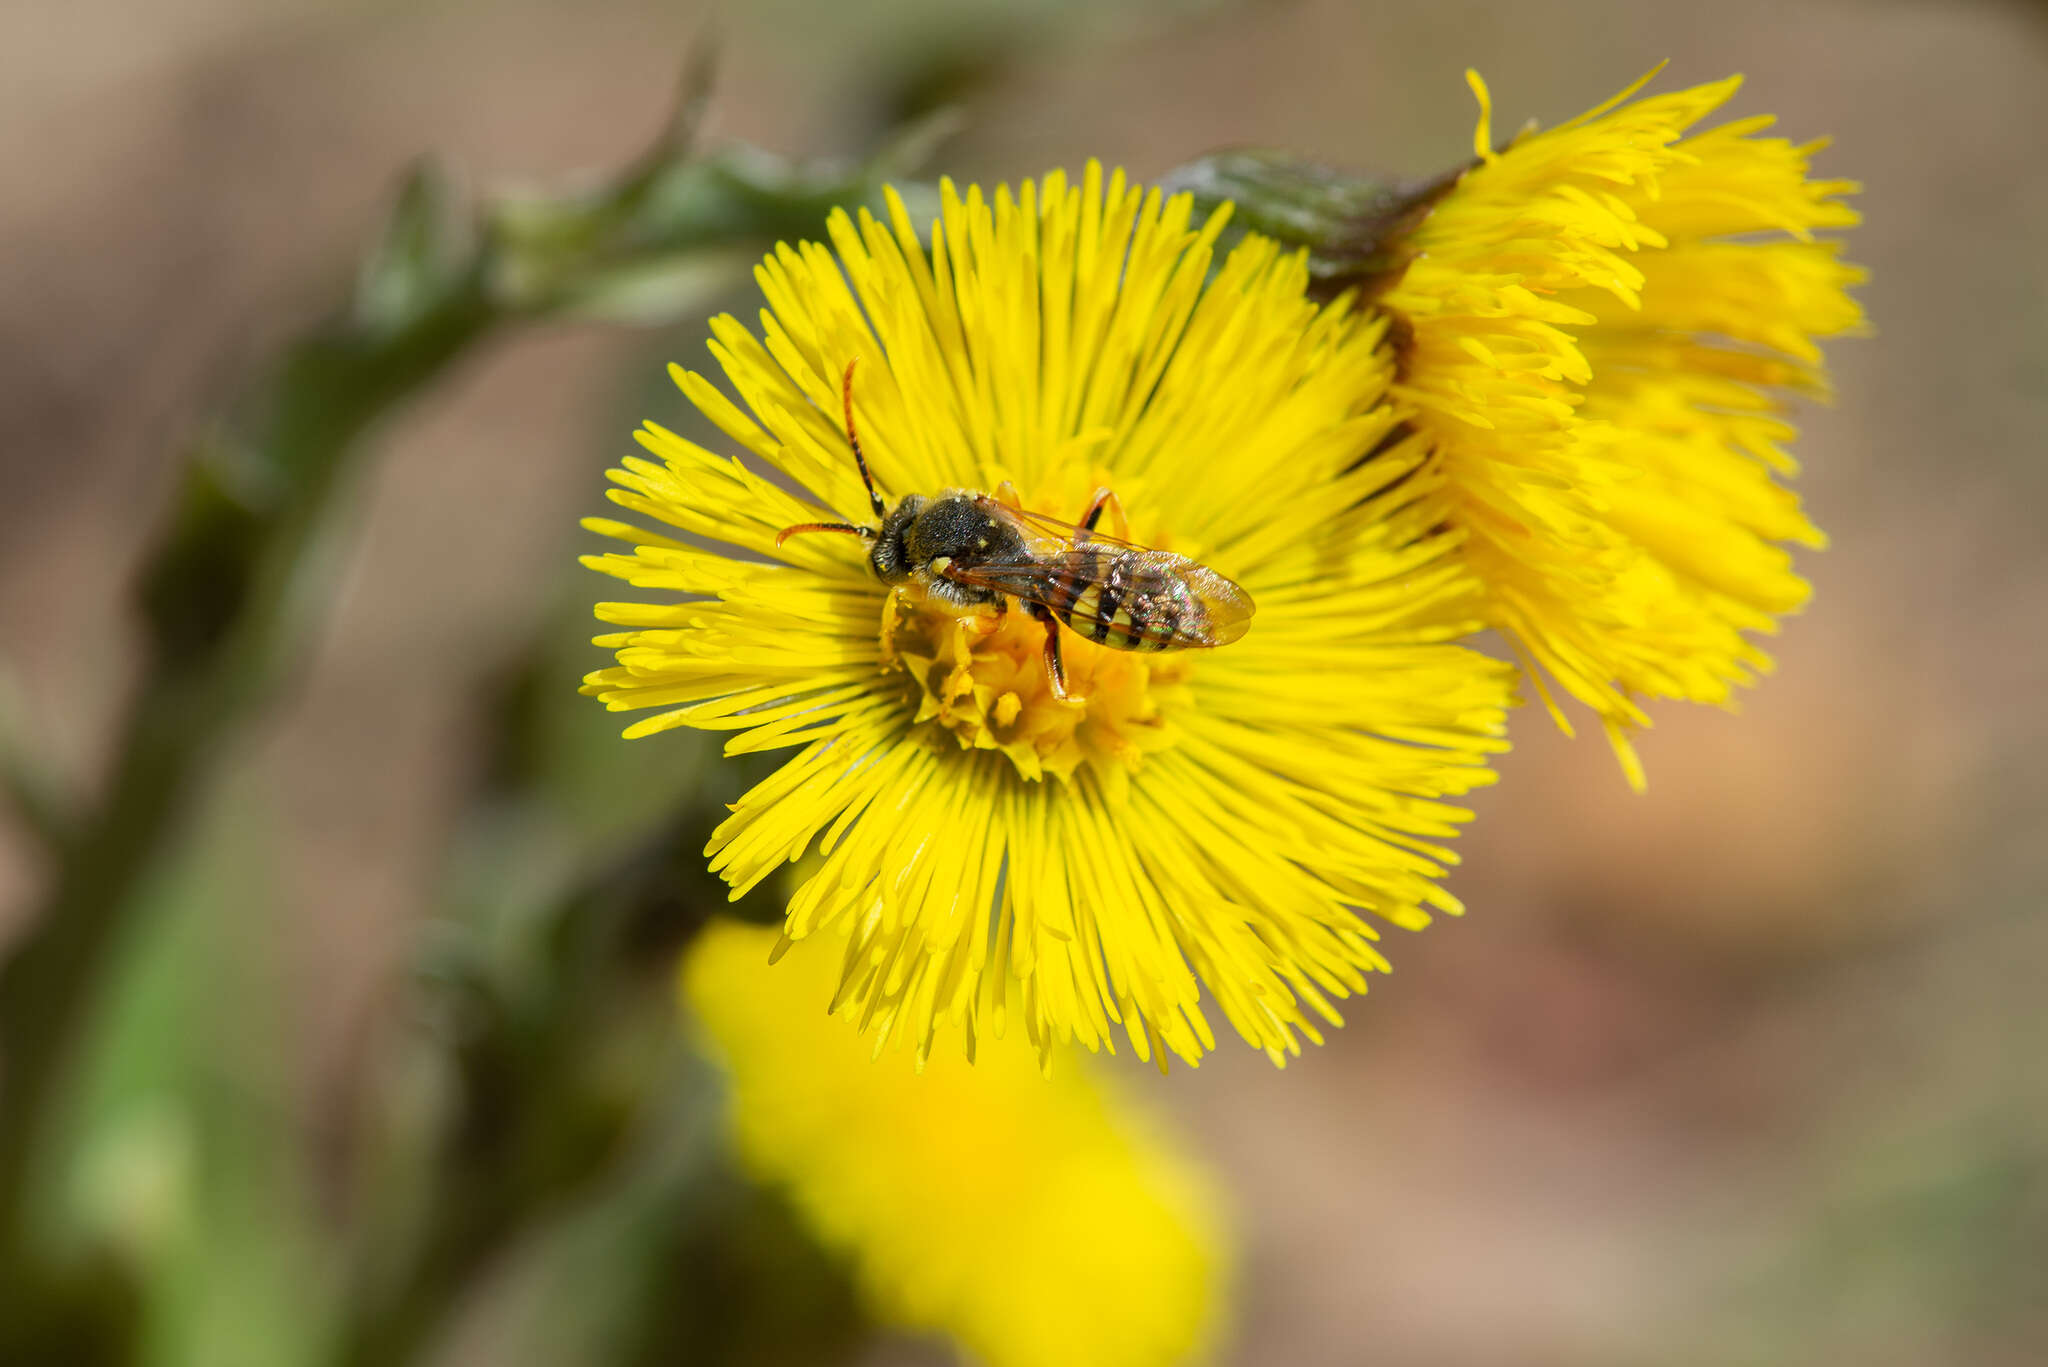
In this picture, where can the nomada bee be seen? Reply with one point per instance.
(974, 550)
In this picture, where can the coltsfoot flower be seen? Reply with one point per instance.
(1237, 819)
(1040, 1223)
(1600, 325)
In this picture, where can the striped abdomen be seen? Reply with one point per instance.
(1133, 599)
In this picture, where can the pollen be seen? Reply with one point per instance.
(977, 682)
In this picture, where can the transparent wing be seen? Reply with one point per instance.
(1224, 602)
(1181, 603)
(1047, 533)
(1045, 581)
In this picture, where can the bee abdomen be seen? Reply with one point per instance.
(1130, 603)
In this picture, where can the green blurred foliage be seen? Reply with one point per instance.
(534, 1112)
(186, 1168)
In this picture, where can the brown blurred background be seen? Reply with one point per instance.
(1748, 1069)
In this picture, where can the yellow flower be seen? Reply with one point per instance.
(1204, 817)
(1602, 324)
(1040, 1222)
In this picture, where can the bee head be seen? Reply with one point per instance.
(890, 557)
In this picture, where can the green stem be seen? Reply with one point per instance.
(207, 667)
(230, 590)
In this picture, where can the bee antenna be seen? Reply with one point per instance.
(853, 439)
(802, 528)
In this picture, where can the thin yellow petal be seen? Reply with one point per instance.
(1599, 331)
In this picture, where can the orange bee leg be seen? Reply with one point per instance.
(1055, 666)
(1105, 499)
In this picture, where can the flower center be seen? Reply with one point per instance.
(981, 685)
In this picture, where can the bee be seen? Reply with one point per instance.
(973, 550)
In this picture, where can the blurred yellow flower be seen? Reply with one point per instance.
(1600, 326)
(1204, 817)
(1039, 1222)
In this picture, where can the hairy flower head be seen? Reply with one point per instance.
(1040, 1223)
(1217, 818)
(1601, 326)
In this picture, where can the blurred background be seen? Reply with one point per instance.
(1747, 1069)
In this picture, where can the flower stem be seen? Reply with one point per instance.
(225, 603)
(235, 583)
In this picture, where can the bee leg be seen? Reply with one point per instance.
(1120, 526)
(1055, 666)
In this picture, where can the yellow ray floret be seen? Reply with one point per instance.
(1039, 1223)
(1602, 322)
(1231, 822)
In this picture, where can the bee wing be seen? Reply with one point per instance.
(1201, 606)
(1050, 534)
(1051, 581)
(1224, 602)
